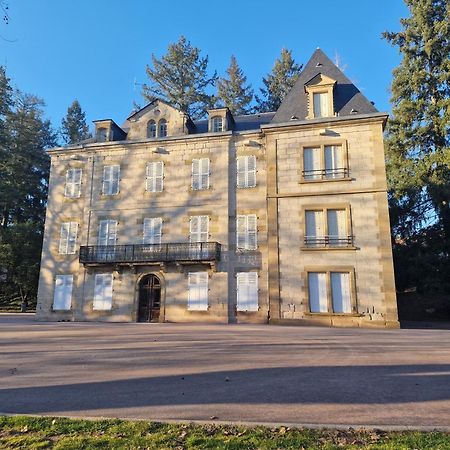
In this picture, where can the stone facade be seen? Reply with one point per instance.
(279, 201)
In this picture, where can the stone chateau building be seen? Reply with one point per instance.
(278, 217)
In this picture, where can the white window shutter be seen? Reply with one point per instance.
(152, 230)
(252, 232)
(64, 238)
(241, 172)
(103, 291)
(251, 171)
(317, 288)
(247, 291)
(204, 228)
(340, 291)
(103, 232)
(196, 174)
(199, 228)
(62, 297)
(198, 291)
(112, 232)
(204, 173)
(68, 190)
(241, 231)
(72, 237)
(193, 228)
(106, 180)
(115, 179)
(159, 176)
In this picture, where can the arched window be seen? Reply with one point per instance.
(217, 124)
(162, 128)
(151, 129)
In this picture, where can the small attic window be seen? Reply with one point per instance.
(151, 129)
(102, 134)
(320, 104)
(217, 124)
(162, 128)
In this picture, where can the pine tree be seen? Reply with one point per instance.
(418, 140)
(74, 127)
(233, 91)
(181, 78)
(279, 82)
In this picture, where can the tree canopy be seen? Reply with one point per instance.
(233, 92)
(73, 126)
(278, 82)
(180, 77)
(417, 144)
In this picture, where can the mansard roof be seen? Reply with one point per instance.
(348, 100)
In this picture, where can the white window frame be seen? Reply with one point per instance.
(247, 291)
(329, 162)
(72, 188)
(111, 179)
(200, 174)
(68, 238)
(152, 230)
(110, 237)
(198, 291)
(246, 176)
(62, 296)
(154, 176)
(323, 109)
(247, 232)
(103, 292)
(199, 228)
(217, 124)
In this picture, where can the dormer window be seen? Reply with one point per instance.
(151, 129)
(102, 134)
(320, 104)
(217, 124)
(162, 128)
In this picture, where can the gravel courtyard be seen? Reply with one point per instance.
(249, 373)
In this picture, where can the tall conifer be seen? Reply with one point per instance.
(74, 127)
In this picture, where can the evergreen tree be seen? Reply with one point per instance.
(233, 91)
(417, 145)
(279, 82)
(181, 78)
(74, 127)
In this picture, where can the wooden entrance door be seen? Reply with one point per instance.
(149, 299)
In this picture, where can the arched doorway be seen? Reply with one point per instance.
(149, 299)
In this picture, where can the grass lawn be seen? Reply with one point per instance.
(49, 433)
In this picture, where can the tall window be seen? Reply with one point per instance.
(73, 183)
(111, 179)
(103, 291)
(246, 232)
(107, 232)
(217, 124)
(321, 105)
(330, 292)
(246, 171)
(200, 174)
(327, 228)
(247, 291)
(162, 125)
(199, 229)
(68, 238)
(62, 297)
(324, 162)
(151, 129)
(154, 176)
(152, 232)
(198, 291)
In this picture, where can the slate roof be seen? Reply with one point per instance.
(241, 123)
(347, 96)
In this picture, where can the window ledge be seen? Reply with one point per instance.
(311, 314)
(325, 180)
(315, 249)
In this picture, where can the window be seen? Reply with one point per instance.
(246, 231)
(217, 124)
(111, 177)
(62, 297)
(103, 291)
(102, 134)
(321, 104)
(325, 162)
(200, 174)
(107, 232)
(154, 176)
(162, 132)
(151, 129)
(199, 229)
(246, 171)
(152, 230)
(247, 291)
(327, 228)
(68, 238)
(330, 292)
(198, 291)
(73, 183)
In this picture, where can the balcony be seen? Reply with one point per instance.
(150, 253)
(338, 173)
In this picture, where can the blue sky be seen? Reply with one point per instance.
(93, 50)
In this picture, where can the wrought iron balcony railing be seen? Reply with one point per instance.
(328, 241)
(325, 174)
(146, 253)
